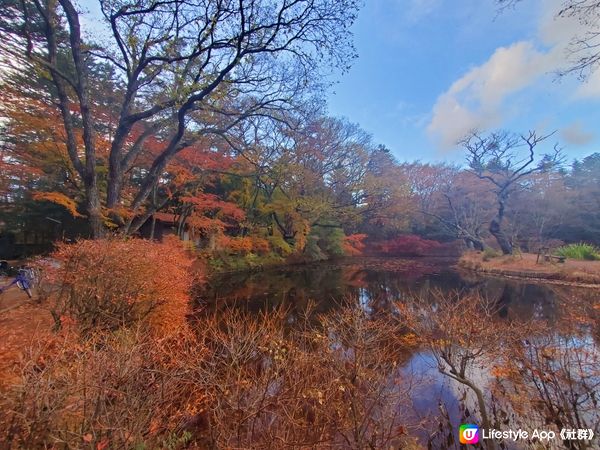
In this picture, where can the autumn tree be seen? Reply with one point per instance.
(42, 192)
(497, 159)
(426, 182)
(541, 210)
(385, 198)
(314, 175)
(187, 69)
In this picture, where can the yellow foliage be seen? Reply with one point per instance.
(59, 199)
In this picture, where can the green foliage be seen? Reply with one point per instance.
(324, 241)
(174, 440)
(238, 263)
(334, 242)
(580, 251)
(280, 246)
(490, 253)
(312, 250)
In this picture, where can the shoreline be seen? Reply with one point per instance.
(342, 260)
(584, 274)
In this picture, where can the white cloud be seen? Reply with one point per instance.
(556, 31)
(575, 134)
(590, 87)
(475, 100)
(478, 100)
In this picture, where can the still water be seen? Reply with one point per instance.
(377, 284)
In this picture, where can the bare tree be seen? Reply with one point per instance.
(461, 205)
(465, 336)
(496, 158)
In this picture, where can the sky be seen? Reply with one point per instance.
(430, 71)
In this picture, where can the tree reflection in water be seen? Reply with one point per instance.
(548, 380)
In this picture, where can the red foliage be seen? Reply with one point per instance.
(354, 244)
(204, 203)
(407, 245)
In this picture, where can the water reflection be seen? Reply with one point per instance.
(376, 283)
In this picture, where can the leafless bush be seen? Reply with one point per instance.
(332, 383)
(236, 381)
(552, 377)
(114, 390)
(467, 339)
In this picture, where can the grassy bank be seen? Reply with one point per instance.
(526, 266)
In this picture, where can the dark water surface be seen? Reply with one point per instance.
(377, 284)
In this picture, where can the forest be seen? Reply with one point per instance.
(248, 163)
(155, 152)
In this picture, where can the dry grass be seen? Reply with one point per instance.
(525, 266)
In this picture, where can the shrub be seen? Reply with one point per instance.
(123, 389)
(312, 250)
(260, 245)
(239, 380)
(242, 245)
(490, 253)
(280, 246)
(324, 242)
(281, 388)
(110, 283)
(580, 251)
(354, 244)
(235, 245)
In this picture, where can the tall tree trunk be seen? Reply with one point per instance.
(113, 188)
(86, 168)
(498, 233)
(152, 227)
(94, 211)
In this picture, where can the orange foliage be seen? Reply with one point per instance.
(153, 283)
(59, 199)
(260, 245)
(241, 245)
(354, 245)
(244, 245)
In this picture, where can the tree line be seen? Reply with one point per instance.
(209, 117)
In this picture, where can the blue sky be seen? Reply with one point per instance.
(431, 70)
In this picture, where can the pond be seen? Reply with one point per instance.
(377, 285)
